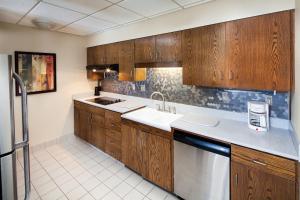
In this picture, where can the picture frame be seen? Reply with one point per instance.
(37, 70)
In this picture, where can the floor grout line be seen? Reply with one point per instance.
(77, 151)
(51, 179)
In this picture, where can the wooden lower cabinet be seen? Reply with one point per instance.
(99, 127)
(97, 133)
(258, 175)
(252, 183)
(76, 120)
(159, 161)
(129, 147)
(84, 124)
(148, 153)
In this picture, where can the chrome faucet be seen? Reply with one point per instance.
(163, 98)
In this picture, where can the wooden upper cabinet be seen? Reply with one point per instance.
(112, 53)
(203, 56)
(91, 55)
(126, 60)
(103, 54)
(99, 55)
(168, 47)
(144, 51)
(258, 52)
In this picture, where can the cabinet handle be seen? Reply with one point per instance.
(131, 73)
(236, 179)
(259, 163)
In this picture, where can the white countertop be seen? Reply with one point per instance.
(121, 107)
(231, 127)
(276, 141)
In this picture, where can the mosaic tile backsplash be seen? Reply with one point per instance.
(169, 82)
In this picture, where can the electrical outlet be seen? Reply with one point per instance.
(143, 88)
(269, 99)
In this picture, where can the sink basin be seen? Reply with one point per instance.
(152, 117)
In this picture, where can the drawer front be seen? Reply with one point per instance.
(112, 125)
(269, 163)
(112, 116)
(116, 135)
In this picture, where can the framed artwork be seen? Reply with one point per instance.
(37, 70)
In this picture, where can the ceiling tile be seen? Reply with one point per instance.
(165, 12)
(117, 15)
(115, 1)
(87, 26)
(83, 6)
(56, 15)
(12, 11)
(190, 3)
(149, 7)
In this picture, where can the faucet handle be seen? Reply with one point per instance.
(173, 109)
(158, 107)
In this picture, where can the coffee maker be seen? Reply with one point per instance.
(258, 116)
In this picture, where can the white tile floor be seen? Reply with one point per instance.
(75, 170)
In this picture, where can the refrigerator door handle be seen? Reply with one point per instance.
(25, 143)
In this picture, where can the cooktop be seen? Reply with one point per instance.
(105, 100)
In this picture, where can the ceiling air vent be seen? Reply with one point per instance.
(44, 24)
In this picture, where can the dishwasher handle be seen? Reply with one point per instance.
(202, 143)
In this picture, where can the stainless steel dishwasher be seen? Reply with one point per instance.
(201, 168)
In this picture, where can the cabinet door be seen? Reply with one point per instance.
(251, 183)
(203, 58)
(97, 133)
(126, 61)
(99, 55)
(84, 125)
(159, 161)
(258, 52)
(112, 53)
(144, 50)
(142, 153)
(129, 147)
(91, 55)
(76, 121)
(168, 47)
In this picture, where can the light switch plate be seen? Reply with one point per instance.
(133, 86)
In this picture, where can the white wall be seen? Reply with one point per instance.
(209, 13)
(296, 94)
(50, 114)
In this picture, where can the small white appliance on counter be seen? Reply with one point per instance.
(258, 116)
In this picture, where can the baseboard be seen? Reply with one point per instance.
(46, 144)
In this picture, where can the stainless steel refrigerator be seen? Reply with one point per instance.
(8, 145)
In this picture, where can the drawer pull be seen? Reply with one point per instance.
(259, 163)
(236, 179)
